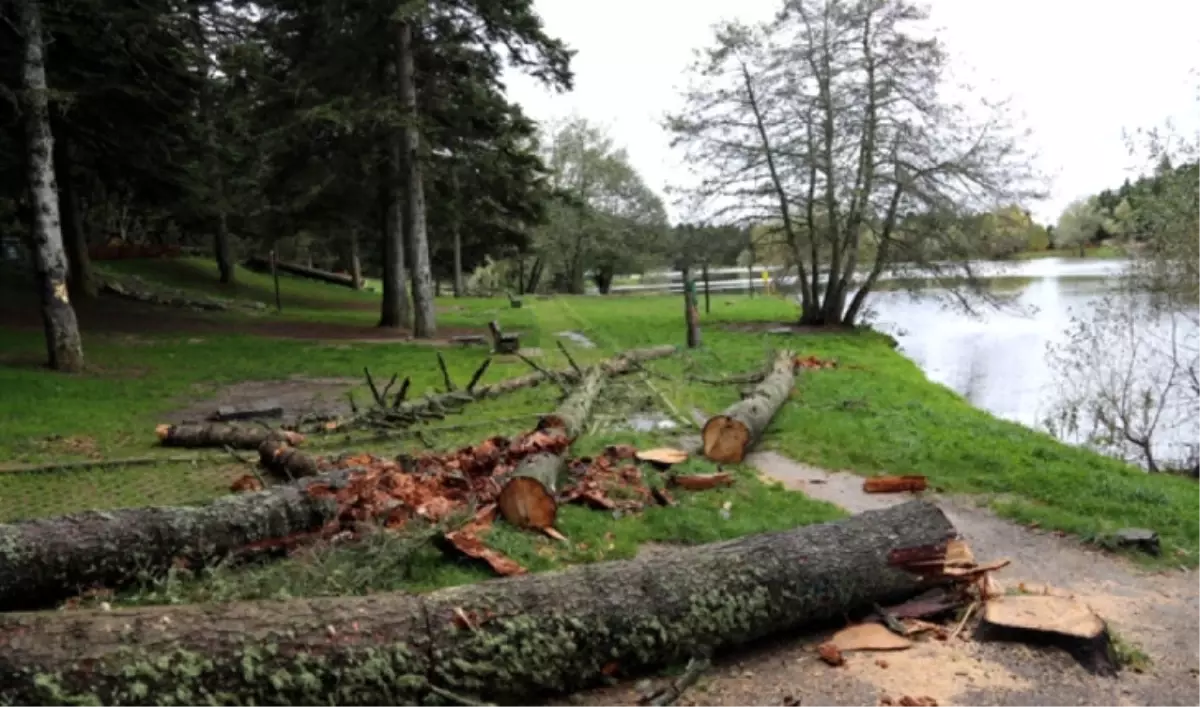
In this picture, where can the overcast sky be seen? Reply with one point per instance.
(1078, 72)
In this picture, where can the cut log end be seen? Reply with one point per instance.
(725, 439)
(526, 503)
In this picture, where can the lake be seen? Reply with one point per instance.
(998, 360)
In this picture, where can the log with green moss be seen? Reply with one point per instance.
(508, 640)
(528, 497)
(46, 560)
(729, 436)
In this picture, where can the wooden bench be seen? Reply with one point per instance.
(503, 343)
(514, 302)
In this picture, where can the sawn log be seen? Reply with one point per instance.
(46, 560)
(509, 640)
(728, 436)
(528, 498)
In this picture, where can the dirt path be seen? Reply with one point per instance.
(1156, 611)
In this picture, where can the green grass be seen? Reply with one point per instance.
(875, 413)
(1104, 251)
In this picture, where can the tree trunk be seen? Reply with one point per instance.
(331, 278)
(424, 320)
(395, 307)
(402, 648)
(63, 343)
(46, 560)
(355, 262)
(691, 317)
(82, 280)
(728, 436)
(221, 246)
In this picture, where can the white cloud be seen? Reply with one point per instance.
(1079, 73)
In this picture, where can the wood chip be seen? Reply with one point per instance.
(868, 637)
(1045, 613)
(662, 455)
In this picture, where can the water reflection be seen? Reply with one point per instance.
(998, 360)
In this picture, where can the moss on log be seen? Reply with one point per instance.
(510, 640)
(728, 436)
(46, 560)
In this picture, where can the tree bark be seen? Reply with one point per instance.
(64, 345)
(690, 316)
(395, 309)
(398, 648)
(424, 319)
(46, 560)
(82, 281)
(728, 436)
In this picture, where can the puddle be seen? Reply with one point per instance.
(649, 422)
(578, 338)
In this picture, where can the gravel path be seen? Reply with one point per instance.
(1156, 611)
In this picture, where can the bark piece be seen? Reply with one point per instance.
(466, 540)
(728, 436)
(894, 484)
(46, 560)
(570, 624)
(1054, 620)
(218, 434)
(701, 482)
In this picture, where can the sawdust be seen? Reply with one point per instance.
(943, 670)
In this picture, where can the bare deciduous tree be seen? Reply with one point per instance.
(832, 123)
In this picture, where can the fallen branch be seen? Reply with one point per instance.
(433, 407)
(670, 694)
(217, 434)
(570, 625)
(728, 436)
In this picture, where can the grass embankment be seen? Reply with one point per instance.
(1103, 251)
(875, 413)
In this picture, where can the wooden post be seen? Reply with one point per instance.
(690, 315)
(275, 277)
(707, 306)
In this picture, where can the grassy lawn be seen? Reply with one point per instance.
(875, 413)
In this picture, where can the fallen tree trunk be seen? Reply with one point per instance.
(219, 434)
(528, 498)
(264, 265)
(728, 436)
(573, 626)
(46, 560)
